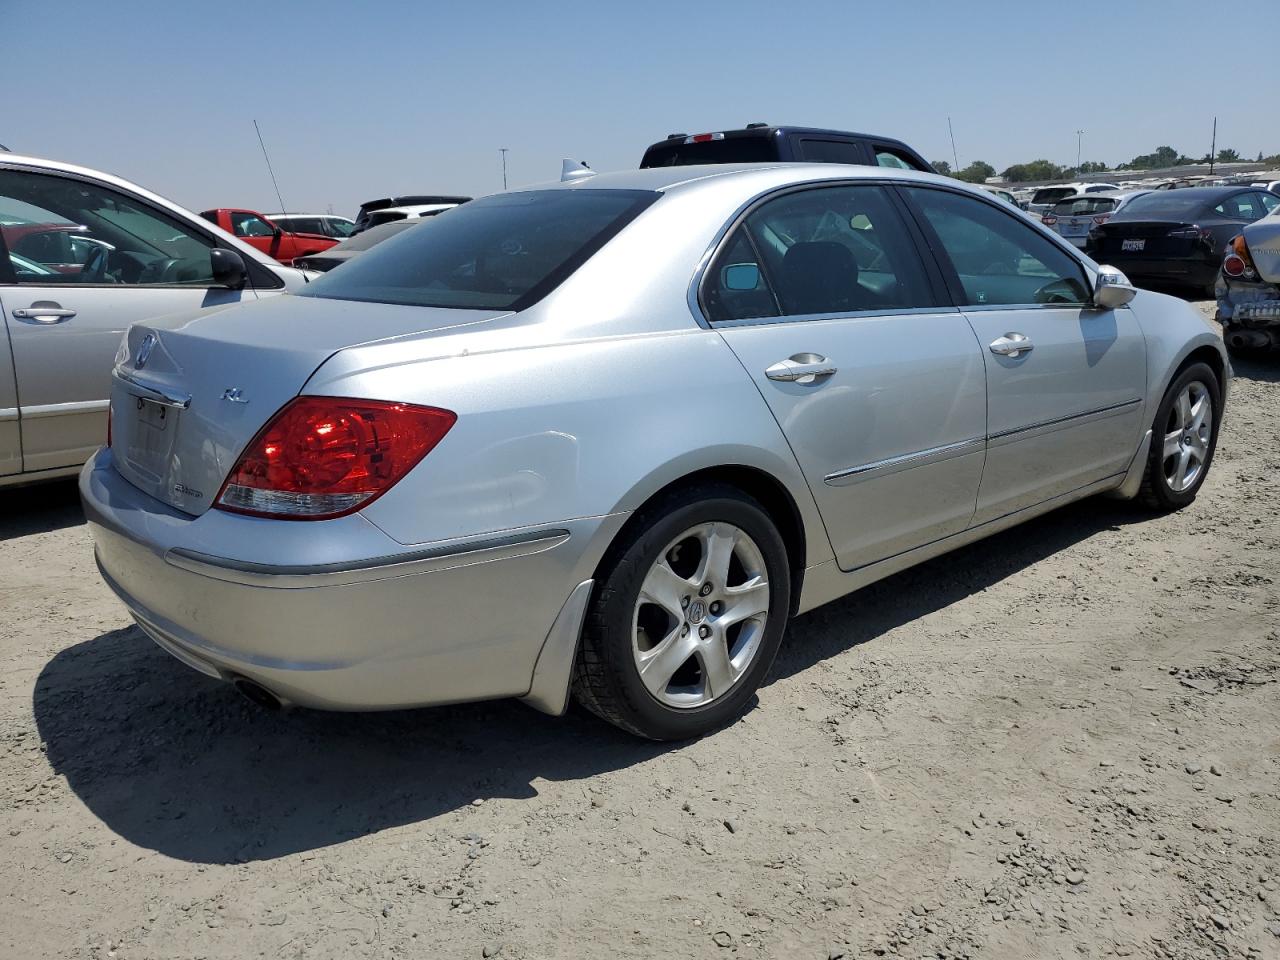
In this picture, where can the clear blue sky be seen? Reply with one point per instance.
(362, 99)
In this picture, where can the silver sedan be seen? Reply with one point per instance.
(605, 438)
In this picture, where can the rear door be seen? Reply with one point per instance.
(825, 298)
(1065, 380)
(65, 321)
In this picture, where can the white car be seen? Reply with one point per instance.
(84, 254)
(320, 224)
(1045, 197)
(1074, 217)
(390, 214)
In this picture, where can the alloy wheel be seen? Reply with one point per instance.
(700, 617)
(1186, 437)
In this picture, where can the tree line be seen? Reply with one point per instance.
(979, 171)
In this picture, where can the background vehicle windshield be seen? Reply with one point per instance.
(503, 252)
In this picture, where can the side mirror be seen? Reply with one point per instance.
(740, 276)
(228, 268)
(1112, 289)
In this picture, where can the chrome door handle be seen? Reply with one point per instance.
(43, 311)
(1012, 345)
(801, 368)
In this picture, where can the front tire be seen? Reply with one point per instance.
(1184, 437)
(687, 616)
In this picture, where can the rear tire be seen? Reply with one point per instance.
(688, 613)
(1184, 436)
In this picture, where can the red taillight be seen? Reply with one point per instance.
(1238, 261)
(704, 137)
(1048, 220)
(323, 457)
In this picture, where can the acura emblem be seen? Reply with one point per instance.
(144, 351)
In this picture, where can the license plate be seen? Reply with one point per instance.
(1132, 244)
(1074, 226)
(151, 439)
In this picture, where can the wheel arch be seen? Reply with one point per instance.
(773, 494)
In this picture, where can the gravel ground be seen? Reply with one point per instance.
(1063, 741)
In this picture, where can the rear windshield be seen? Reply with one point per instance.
(677, 153)
(1052, 194)
(1164, 203)
(503, 252)
(1081, 206)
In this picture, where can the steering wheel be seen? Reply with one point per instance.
(1057, 291)
(94, 268)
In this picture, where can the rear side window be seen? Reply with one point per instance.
(677, 153)
(832, 151)
(838, 250)
(736, 287)
(1243, 206)
(886, 157)
(304, 225)
(998, 258)
(1052, 194)
(503, 252)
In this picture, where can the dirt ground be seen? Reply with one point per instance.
(1061, 742)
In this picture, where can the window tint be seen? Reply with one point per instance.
(889, 158)
(1052, 194)
(61, 230)
(1082, 206)
(1269, 201)
(338, 227)
(736, 287)
(999, 259)
(754, 148)
(303, 225)
(501, 252)
(831, 151)
(246, 224)
(838, 249)
(1243, 206)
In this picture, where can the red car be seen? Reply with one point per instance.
(257, 231)
(60, 246)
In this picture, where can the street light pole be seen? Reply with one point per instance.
(1079, 146)
(503, 151)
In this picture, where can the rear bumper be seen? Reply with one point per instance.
(379, 628)
(1198, 271)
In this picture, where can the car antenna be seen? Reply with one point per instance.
(262, 144)
(571, 170)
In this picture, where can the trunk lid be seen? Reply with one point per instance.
(189, 392)
(1263, 239)
(1137, 239)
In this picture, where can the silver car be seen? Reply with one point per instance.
(83, 254)
(608, 436)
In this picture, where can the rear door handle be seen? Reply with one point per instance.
(43, 311)
(801, 368)
(1012, 345)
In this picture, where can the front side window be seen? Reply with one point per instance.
(65, 231)
(246, 224)
(503, 252)
(997, 258)
(890, 158)
(838, 250)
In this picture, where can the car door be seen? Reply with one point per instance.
(261, 234)
(824, 296)
(10, 426)
(1065, 380)
(65, 320)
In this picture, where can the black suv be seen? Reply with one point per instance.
(762, 143)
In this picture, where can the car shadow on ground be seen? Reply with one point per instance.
(1262, 369)
(39, 508)
(178, 763)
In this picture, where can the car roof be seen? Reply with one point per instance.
(1210, 193)
(767, 175)
(322, 216)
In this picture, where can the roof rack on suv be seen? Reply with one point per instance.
(765, 143)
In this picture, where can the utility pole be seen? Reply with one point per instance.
(954, 156)
(1213, 147)
(503, 151)
(1079, 146)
